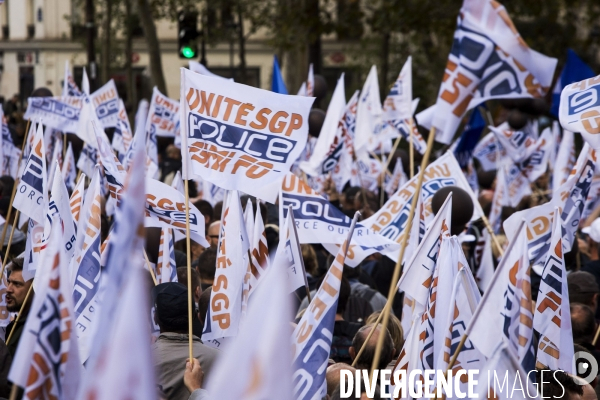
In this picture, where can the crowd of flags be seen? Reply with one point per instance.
(90, 305)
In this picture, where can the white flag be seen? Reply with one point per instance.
(565, 159)
(69, 170)
(579, 109)
(485, 272)
(503, 366)
(106, 103)
(368, 114)
(552, 317)
(166, 269)
(224, 313)
(30, 197)
(288, 255)
(267, 361)
(488, 59)
(329, 138)
(131, 377)
(46, 363)
(234, 135)
(504, 313)
(313, 335)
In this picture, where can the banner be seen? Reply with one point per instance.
(60, 113)
(163, 115)
(390, 221)
(30, 197)
(235, 136)
(106, 102)
(488, 60)
(123, 134)
(368, 113)
(329, 141)
(312, 337)
(579, 109)
(318, 221)
(224, 314)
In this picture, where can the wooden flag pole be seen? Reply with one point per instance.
(596, 336)
(13, 392)
(396, 275)
(12, 231)
(189, 265)
(150, 268)
(20, 312)
(14, 191)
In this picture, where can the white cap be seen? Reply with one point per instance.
(593, 231)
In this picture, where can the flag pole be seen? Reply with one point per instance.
(14, 191)
(596, 336)
(20, 312)
(13, 392)
(150, 267)
(291, 213)
(396, 275)
(12, 231)
(189, 265)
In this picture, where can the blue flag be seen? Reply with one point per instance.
(574, 70)
(277, 84)
(469, 138)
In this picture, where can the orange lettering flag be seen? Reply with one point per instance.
(239, 137)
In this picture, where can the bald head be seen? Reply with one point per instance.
(583, 323)
(333, 375)
(366, 358)
(588, 391)
(213, 234)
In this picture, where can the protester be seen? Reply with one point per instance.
(584, 328)
(333, 375)
(213, 234)
(366, 358)
(206, 268)
(395, 328)
(583, 289)
(16, 294)
(559, 385)
(171, 348)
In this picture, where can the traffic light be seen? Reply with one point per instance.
(188, 32)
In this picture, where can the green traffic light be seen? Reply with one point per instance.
(188, 52)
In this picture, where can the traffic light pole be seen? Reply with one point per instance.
(91, 51)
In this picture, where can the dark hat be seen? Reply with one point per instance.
(171, 305)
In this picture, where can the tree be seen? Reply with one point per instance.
(147, 20)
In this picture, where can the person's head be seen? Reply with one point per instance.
(462, 206)
(182, 278)
(17, 288)
(347, 200)
(207, 265)
(593, 237)
(171, 306)
(588, 388)
(394, 327)
(212, 236)
(558, 385)
(173, 152)
(333, 375)
(203, 304)
(366, 358)
(583, 288)
(207, 211)
(336, 395)
(583, 323)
